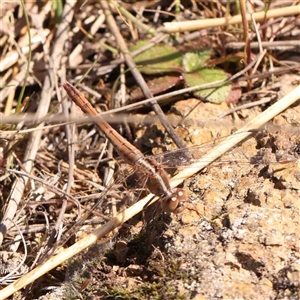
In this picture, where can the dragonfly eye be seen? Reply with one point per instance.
(174, 203)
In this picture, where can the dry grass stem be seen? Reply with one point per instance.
(209, 23)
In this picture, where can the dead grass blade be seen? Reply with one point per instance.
(209, 23)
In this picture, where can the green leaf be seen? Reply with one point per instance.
(158, 59)
(195, 60)
(207, 75)
(57, 7)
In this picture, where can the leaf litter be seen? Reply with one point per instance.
(238, 235)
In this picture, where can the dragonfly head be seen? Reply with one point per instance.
(174, 203)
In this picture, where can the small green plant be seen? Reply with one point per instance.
(164, 59)
(57, 8)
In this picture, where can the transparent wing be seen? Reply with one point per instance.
(253, 151)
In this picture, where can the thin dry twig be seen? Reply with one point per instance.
(274, 45)
(209, 23)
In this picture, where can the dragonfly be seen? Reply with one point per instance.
(171, 200)
(158, 181)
